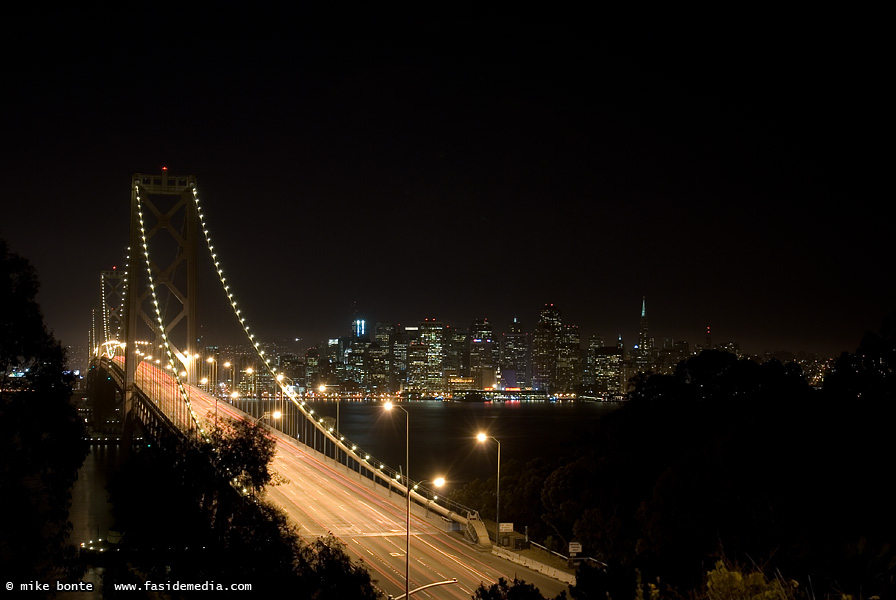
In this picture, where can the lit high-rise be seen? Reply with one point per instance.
(545, 341)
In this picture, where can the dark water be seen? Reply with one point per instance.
(443, 434)
(91, 514)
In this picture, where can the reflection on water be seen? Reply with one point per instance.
(91, 514)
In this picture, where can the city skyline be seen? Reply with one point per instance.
(731, 182)
(434, 358)
(630, 341)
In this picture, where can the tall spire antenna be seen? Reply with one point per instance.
(643, 306)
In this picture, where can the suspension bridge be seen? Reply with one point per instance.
(146, 344)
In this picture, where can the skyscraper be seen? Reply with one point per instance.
(608, 372)
(569, 359)
(432, 336)
(515, 352)
(545, 341)
(483, 354)
(641, 353)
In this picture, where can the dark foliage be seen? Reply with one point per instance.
(517, 590)
(521, 487)
(242, 452)
(326, 571)
(594, 582)
(730, 456)
(41, 437)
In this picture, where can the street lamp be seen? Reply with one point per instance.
(407, 471)
(278, 398)
(212, 373)
(193, 370)
(482, 438)
(438, 482)
(273, 415)
(322, 388)
(228, 365)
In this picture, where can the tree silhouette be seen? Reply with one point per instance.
(41, 437)
(241, 452)
(515, 590)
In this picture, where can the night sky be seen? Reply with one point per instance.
(736, 181)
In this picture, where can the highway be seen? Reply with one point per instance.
(323, 498)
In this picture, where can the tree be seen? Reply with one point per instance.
(731, 582)
(326, 571)
(517, 590)
(241, 452)
(594, 582)
(41, 437)
(710, 456)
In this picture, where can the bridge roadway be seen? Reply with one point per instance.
(324, 497)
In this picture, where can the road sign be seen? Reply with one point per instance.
(575, 547)
(505, 527)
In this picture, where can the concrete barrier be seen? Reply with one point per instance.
(525, 561)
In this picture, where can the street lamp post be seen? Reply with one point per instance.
(212, 373)
(278, 400)
(194, 370)
(234, 399)
(228, 365)
(407, 471)
(157, 380)
(322, 388)
(213, 388)
(273, 415)
(438, 482)
(482, 438)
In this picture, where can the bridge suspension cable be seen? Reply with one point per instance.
(282, 382)
(106, 335)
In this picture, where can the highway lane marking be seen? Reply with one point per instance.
(375, 535)
(380, 565)
(385, 518)
(456, 560)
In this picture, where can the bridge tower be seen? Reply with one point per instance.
(113, 283)
(170, 228)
